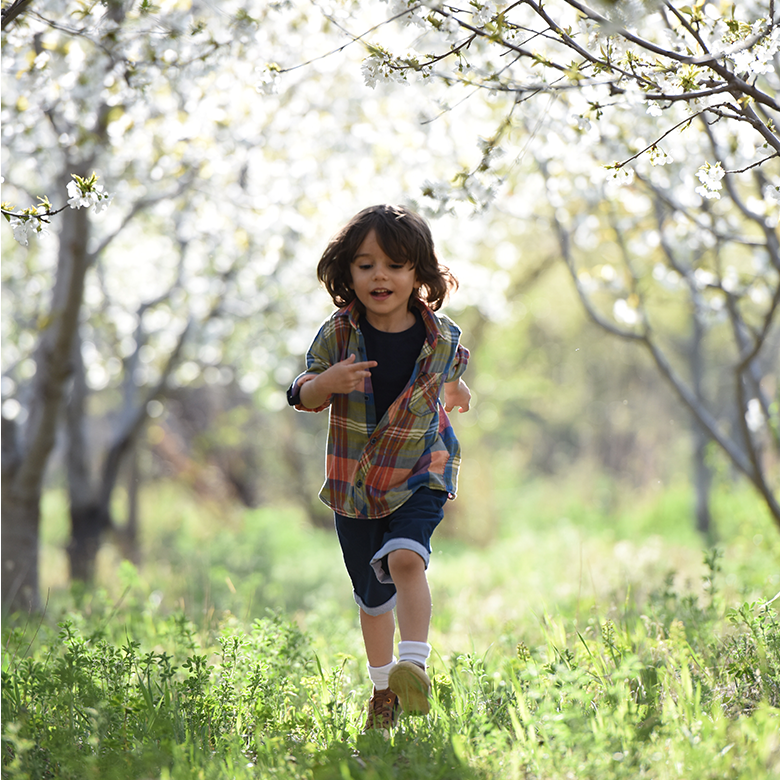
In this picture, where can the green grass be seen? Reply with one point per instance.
(575, 644)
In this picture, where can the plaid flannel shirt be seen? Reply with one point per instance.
(374, 466)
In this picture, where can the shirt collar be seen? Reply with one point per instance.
(429, 320)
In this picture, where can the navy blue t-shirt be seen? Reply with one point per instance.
(395, 354)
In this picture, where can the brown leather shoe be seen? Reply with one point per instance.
(382, 711)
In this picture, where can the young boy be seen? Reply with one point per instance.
(380, 363)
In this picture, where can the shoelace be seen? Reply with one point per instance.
(383, 708)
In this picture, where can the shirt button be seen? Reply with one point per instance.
(359, 483)
(373, 441)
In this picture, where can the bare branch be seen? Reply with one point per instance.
(10, 12)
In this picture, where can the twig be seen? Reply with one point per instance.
(43, 216)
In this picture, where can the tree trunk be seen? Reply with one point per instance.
(20, 533)
(128, 536)
(88, 522)
(702, 475)
(25, 459)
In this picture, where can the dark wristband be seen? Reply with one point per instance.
(294, 394)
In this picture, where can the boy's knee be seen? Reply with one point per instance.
(404, 562)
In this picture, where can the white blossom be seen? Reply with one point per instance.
(622, 175)
(20, 228)
(398, 7)
(94, 197)
(450, 28)
(485, 13)
(654, 109)
(659, 157)
(710, 176)
(376, 68)
(757, 59)
(268, 83)
(772, 194)
(25, 226)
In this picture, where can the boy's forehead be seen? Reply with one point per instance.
(370, 246)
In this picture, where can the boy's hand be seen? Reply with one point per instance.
(344, 376)
(456, 394)
(341, 377)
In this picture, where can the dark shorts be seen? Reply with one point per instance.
(366, 544)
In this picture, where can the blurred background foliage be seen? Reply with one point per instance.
(231, 166)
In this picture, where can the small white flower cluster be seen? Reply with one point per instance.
(83, 193)
(377, 68)
(622, 175)
(450, 28)
(757, 59)
(24, 226)
(409, 9)
(485, 13)
(268, 82)
(659, 157)
(710, 177)
(772, 194)
(86, 194)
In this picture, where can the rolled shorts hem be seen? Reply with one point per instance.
(377, 562)
(388, 606)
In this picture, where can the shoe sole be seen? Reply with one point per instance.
(411, 685)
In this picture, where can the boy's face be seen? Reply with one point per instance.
(383, 286)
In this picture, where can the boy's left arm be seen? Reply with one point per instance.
(456, 393)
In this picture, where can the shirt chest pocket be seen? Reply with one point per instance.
(425, 395)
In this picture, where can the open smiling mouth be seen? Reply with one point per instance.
(381, 293)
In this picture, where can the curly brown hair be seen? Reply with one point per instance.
(404, 236)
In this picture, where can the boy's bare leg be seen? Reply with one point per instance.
(378, 636)
(413, 605)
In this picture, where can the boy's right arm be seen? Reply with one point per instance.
(341, 377)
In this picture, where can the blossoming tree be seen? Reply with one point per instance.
(650, 128)
(146, 293)
(219, 187)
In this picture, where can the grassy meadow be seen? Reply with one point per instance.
(570, 641)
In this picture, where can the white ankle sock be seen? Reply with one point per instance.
(379, 675)
(417, 652)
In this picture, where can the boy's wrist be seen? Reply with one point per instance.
(313, 395)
